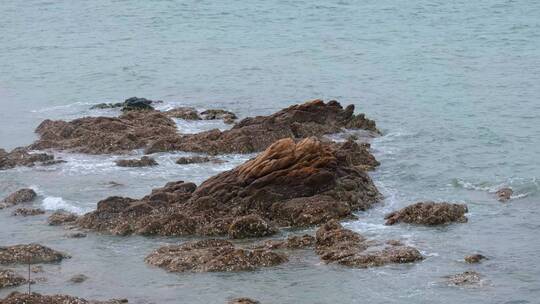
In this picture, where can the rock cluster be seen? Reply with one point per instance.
(29, 254)
(292, 183)
(211, 256)
(145, 161)
(24, 195)
(189, 113)
(8, 278)
(36, 298)
(23, 157)
(27, 212)
(335, 244)
(132, 103)
(429, 213)
(465, 278)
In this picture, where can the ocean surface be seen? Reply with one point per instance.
(453, 85)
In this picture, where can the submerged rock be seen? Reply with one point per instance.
(475, 258)
(27, 212)
(145, 161)
(465, 278)
(36, 298)
(429, 213)
(22, 157)
(243, 301)
(289, 184)
(211, 256)
(292, 242)
(61, 218)
(504, 194)
(79, 278)
(186, 160)
(76, 235)
(29, 254)
(8, 278)
(20, 196)
(103, 135)
(335, 244)
(253, 134)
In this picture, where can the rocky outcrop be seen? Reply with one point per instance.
(24, 157)
(254, 134)
(335, 244)
(61, 218)
(226, 116)
(429, 213)
(132, 103)
(145, 161)
(103, 135)
(8, 278)
(465, 278)
(36, 298)
(243, 301)
(24, 195)
(186, 113)
(211, 256)
(27, 212)
(292, 242)
(289, 184)
(504, 194)
(29, 254)
(189, 113)
(475, 258)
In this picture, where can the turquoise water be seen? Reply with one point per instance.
(454, 85)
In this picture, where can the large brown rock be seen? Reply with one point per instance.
(30, 254)
(429, 213)
(254, 134)
(36, 298)
(8, 278)
(335, 244)
(290, 184)
(24, 195)
(23, 157)
(102, 135)
(211, 256)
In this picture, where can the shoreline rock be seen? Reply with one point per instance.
(61, 218)
(20, 196)
(212, 256)
(27, 212)
(429, 214)
(145, 161)
(29, 254)
(36, 298)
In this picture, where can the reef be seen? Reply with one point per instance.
(30, 254)
(429, 214)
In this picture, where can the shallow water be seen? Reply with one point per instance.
(455, 87)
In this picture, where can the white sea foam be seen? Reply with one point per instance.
(58, 203)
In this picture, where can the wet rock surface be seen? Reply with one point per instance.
(23, 157)
(243, 301)
(20, 196)
(292, 242)
(289, 184)
(429, 213)
(36, 298)
(197, 160)
(29, 254)
(27, 212)
(8, 278)
(475, 258)
(335, 244)
(465, 278)
(61, 218)
(145, 161)
(211, 256)
(254, 134)
(79, 278)
(186, 113)
(504, 194)
(138, 104)
(249, 226)
(104, 135)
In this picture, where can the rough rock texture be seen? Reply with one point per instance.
(107, 105)
(137, 104)
(187, 113)
(8, 278)
(429, 213)
(20, 196)
(253, 134)
(29, 254)
(475, 258)
(61, 218)
(289, 184)
(465, 278)
(343, 246)
(292, 242)
(23, 157)
(36, 298)
(102, 135)
(243, 301)
(145, 161)
(197, 159)
(249, 226)
(211, 256)
(226, 116)
(27, 212)
(504, 194)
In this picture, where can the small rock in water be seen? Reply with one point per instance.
(78, 278)
(27, 211)
(212, 256)
(243, 301)
(186, 113)
(475, 258)
(61, 217)
(186, 160)
(504, 194)
(145, 161)
(465, 278)
(107, 105)
(219, 114)
(30, 254)
(20, 196)
(76, 235)
(22, 157)
(8, 278)
(114, 184)
(250, 226)
(429, 213)
(137, 104)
